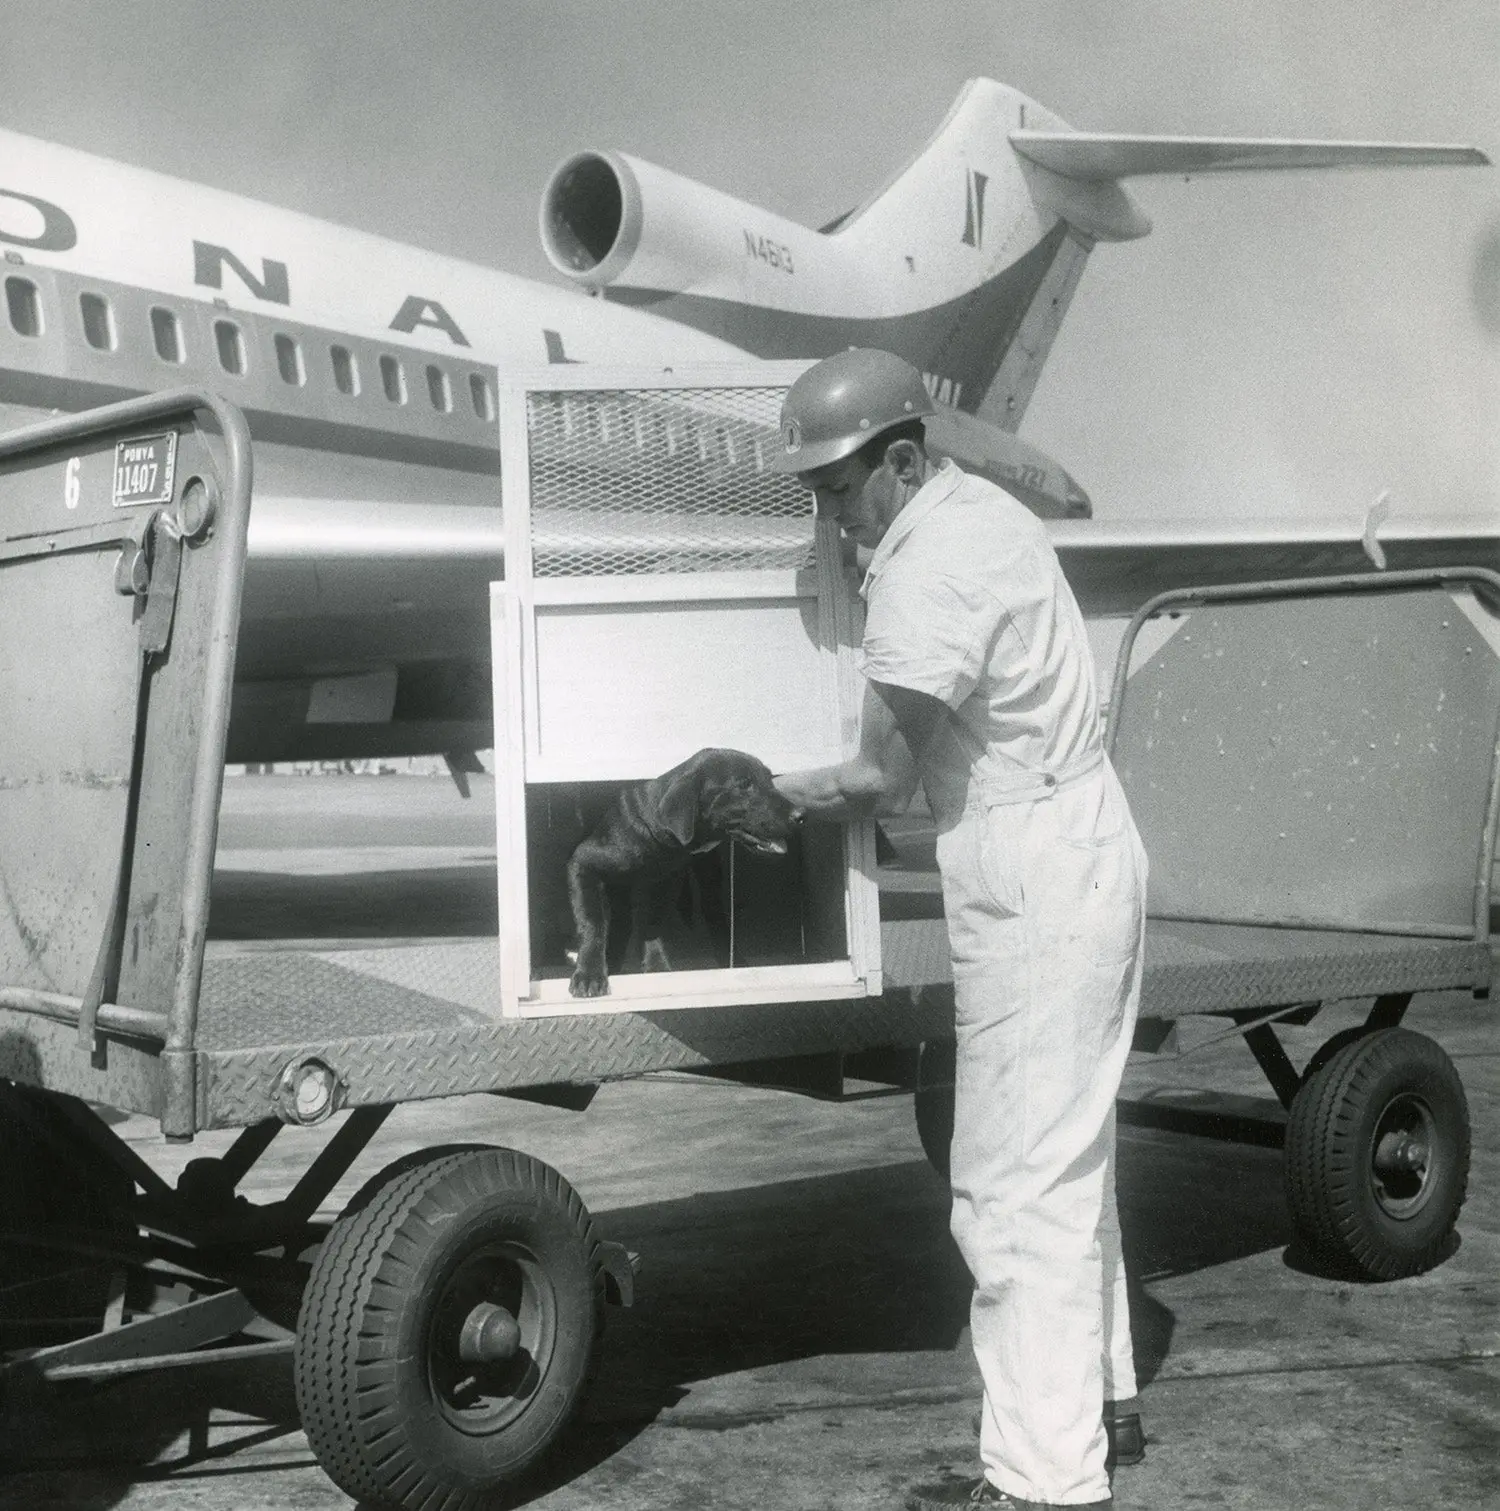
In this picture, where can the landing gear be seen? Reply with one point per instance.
(450, 1329)
(1377, 1154)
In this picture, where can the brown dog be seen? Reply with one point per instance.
(649, 836)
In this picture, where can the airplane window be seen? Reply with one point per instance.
(231, 346)
(481, 396)
(393, 380)
(289, 361)
(166, 333)
(98, 322)
(345, 369)
(438, 390)
(25, 306)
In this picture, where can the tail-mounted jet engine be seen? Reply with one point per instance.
(609, 219)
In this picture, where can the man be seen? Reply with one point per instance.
(980, 682)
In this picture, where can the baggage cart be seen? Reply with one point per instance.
(444, 1329)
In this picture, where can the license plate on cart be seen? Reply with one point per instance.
(143, 469)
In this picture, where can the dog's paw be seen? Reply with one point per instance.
(585, 983)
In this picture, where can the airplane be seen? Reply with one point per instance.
(368, 371)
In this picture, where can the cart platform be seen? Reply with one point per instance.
(1319, 811)
(1221, 967)
(406, 1020)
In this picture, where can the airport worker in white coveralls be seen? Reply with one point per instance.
(980, 682)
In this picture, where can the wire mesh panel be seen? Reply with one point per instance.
(645, 480)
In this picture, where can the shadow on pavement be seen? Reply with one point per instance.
(814, 1273)
(86, 1446)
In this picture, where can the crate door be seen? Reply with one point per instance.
(665, 593)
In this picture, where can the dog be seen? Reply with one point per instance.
(649, 837)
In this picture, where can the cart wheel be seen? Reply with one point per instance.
(1330, 1047)
(1377, 1155)
(933, 1105)
(413, 1159)
(449, 1331)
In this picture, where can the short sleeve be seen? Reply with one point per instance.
(930, 632)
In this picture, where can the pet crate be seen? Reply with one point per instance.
(664, 592)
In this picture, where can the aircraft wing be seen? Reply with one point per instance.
(365, 622)
(1114, 567)
(1099, 155)
(417, 555)
(334, 529)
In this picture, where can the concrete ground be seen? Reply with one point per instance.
(799, 1336)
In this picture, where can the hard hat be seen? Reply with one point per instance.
(844, 401)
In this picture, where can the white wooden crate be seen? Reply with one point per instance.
(664, 593)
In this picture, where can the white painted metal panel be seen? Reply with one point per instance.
(626, 691)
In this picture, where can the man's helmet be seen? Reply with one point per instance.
(848, 398)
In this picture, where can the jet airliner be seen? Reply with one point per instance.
(369, 372)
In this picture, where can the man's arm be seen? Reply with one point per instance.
(895, 726)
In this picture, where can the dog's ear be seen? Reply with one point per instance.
(677, 807)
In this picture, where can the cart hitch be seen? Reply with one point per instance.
(620, 1266)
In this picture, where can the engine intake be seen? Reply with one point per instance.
(608, 219)
(591, 217)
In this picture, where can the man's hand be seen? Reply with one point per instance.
(894, 723)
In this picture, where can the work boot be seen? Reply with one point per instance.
(1127, 1438)
(944, 1495)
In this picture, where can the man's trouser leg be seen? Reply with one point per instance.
(1119, 1348)
(1046, 925)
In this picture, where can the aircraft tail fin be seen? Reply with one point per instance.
(976, 270)
(1011, 200)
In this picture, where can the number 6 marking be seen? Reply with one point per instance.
(71, 488)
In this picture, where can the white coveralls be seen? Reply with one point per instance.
(1044, 888)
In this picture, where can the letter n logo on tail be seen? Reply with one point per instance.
(974, 210)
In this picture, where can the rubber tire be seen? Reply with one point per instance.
(1330, 1047)
(1330, 1146)
(360, 1359)
(413, 1159)
(933, 1105)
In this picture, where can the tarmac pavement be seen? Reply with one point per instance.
(799, 1335)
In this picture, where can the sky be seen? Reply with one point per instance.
(1279, 346)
